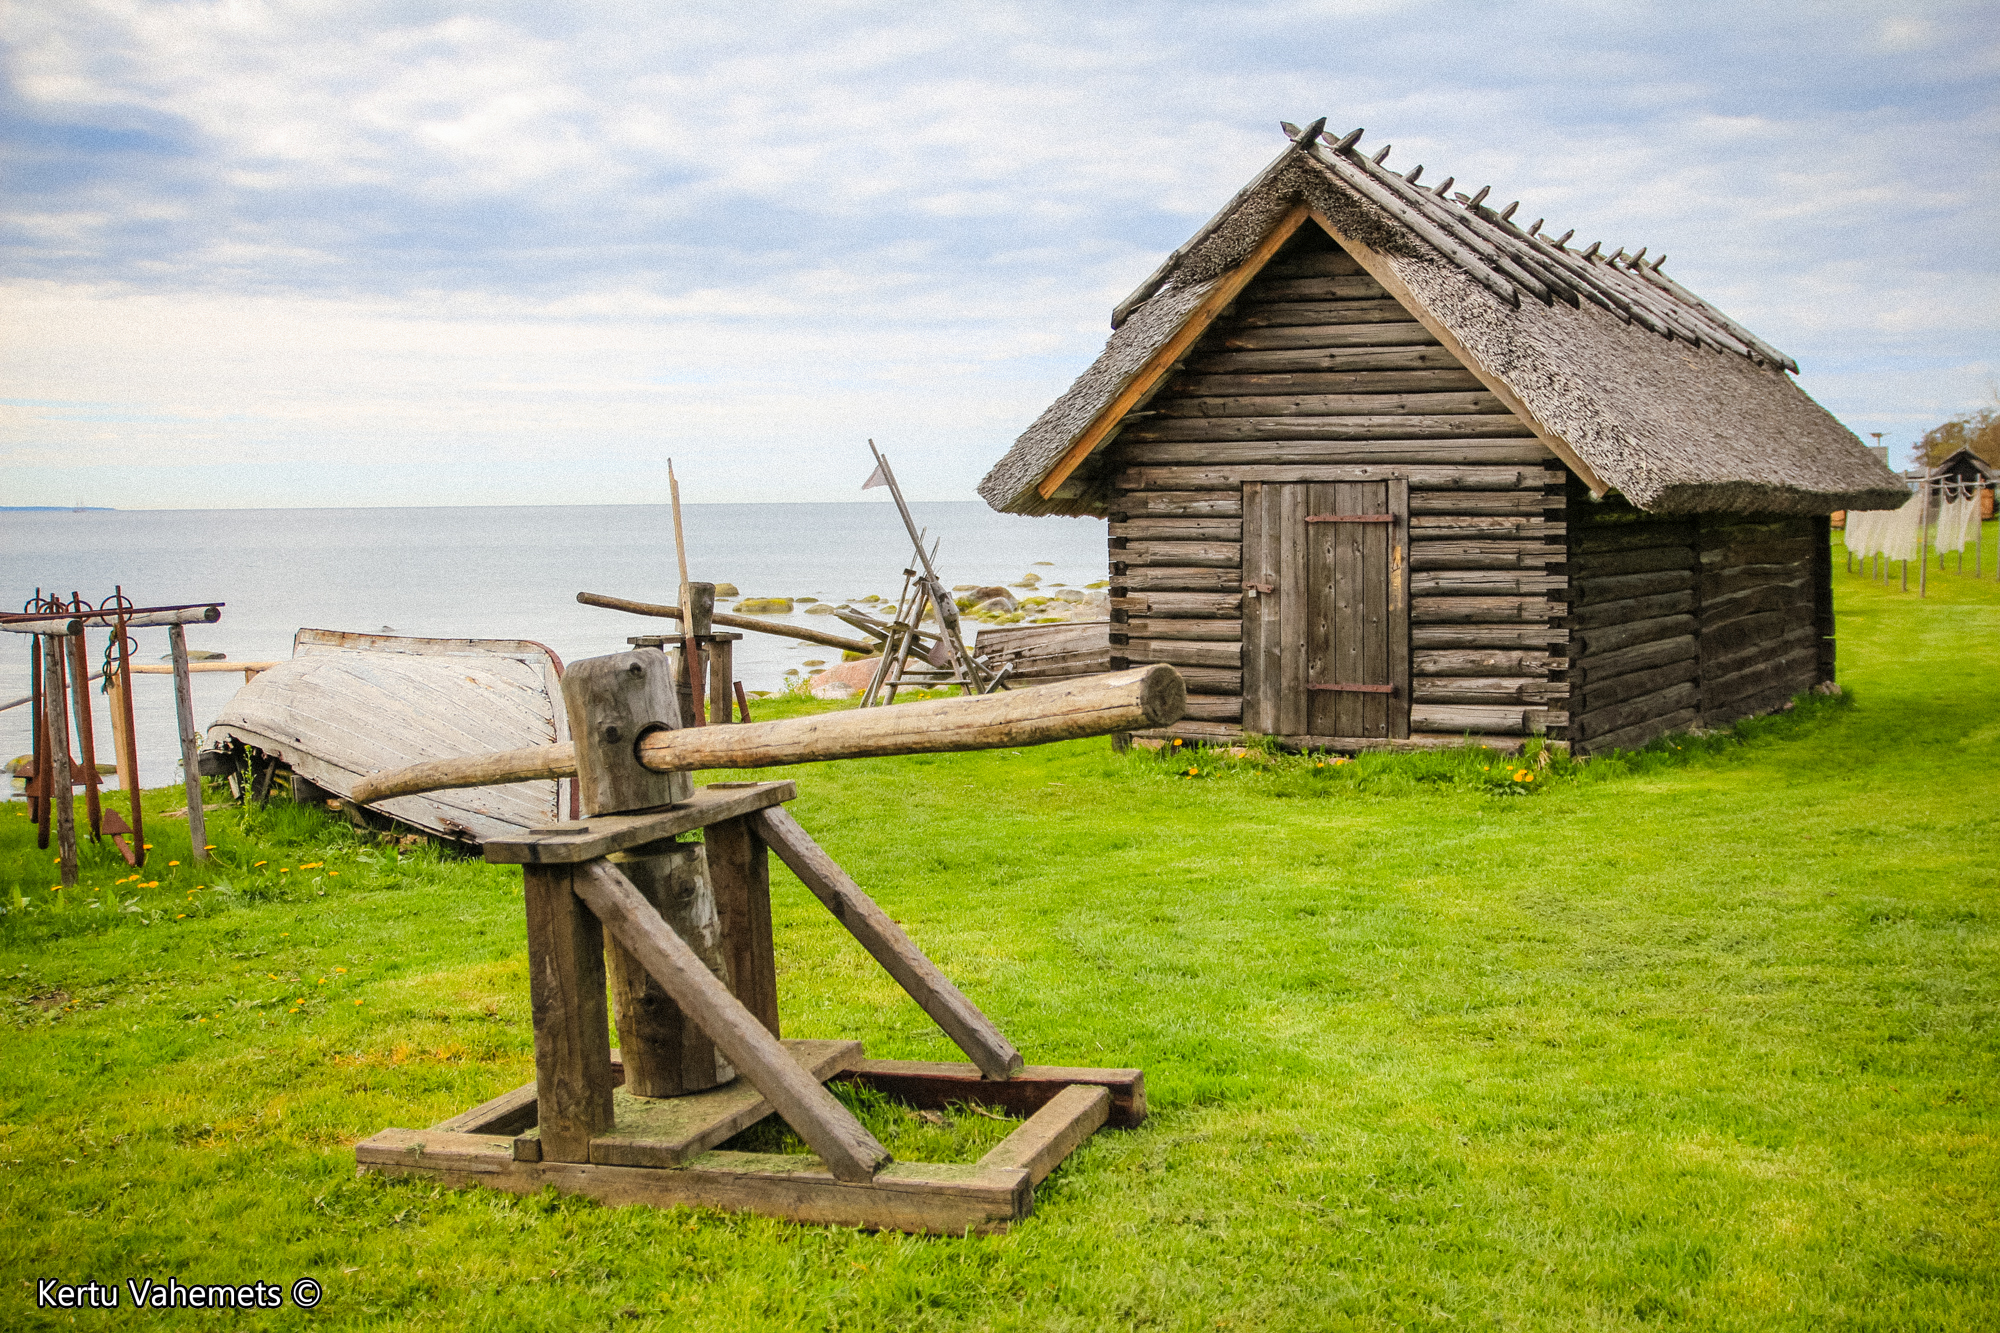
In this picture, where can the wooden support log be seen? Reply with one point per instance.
(1603, 692)
(1182, 653)
(190, 742)
(1716, 667)
(1481, 503)
(1179, 504)
(1638, 657)
(969, 1029)
(1482, 610)
(1157, 578)
(1421, 477)
(1534, 635)
(1185, 631)
(1639, 733)
(1498, 719)
(1191, 554)
(1311, 264)
(1178, 529)
(1448, 556)
(1365, 383)
(1483, 662)
(1537, 690)
(1214, 707)
(1337, 408)
(566, 995)
(1632, 609)
(1780, 597)
(665, 1055)
(1412, 430)
(1052, 1133)
(1332, 453)
(1190, 605)
(1764, 551)
(1731, 636)
(1629, 712)
(1588, 641)
(1483, 582)
(1533, 527)
(1625, 587)
(849, 1151)
(1340, 360)
(1720, 583)
(1317, 338)
(1093, 706)
(1251, 312)
(1269, 286)
(772, 627)
(1635, 560)
(1602, 538)
(739, 875)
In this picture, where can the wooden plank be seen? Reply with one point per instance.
(1500, 553)
(1628, 713)
(190, 734)
(739, 875)
(1610, 638)
(1432, 528)
(1483, 582)
(1178, 529)
(1324, 359)
(1398, 590)
(1537, 690)
(1523, 635)
(1296, 595)
(1177, 605)
(1715, 665)
(1285, 384)
(1483, 610)
(1319, 337)
(1484, 662)
(848, 1149)
(672, 1131)
(1181, 652)
(1161, 578)
(509, 1113)
(1769, 551)
(1210, 554)
(1602, 692)
(1722, 583)
(918, 1197)
(1496, 718)
(566, 996)
(1299, 263)
(1598, 539)
(1636, 560)
(1218, 631)
(1413, 743)
(1624, 587)
(1356, 286)
(1131, 452)
(933, 1084)
(1793, 670)
(1161, 362)
(1482, 503)
(1425, 477)
(1214, 707)
(571, 842)
(1637, 657)
(1720, 640)
(1175, 504)
(1197, 732)
(1053, 1132)
(970, 1030)
(1639, 733)
(1415, 430)
(1754, 600)
(1632, 609)
(1338, 406)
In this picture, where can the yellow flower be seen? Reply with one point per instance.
(182, 917)
(208, 847)
(284, 870)
(340, 969)
(322, 981)
(260, 863)
(149, 846)
(357, 1004)
(333, 872)
(173, 863)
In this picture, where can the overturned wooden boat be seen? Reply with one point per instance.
(349, 704)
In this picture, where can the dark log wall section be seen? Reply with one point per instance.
(1317, 366)
(1533, 608)
(1678, 622)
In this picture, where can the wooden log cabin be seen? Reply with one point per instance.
(1384, 469)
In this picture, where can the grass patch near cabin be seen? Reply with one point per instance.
(1702, 1037)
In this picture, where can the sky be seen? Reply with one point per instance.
(335, 253)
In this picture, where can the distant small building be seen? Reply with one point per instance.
(1383, 468)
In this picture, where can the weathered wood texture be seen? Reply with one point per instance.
(739, 875)
(920, 978)
(665, 1054)
(610, 702)
(566, 997)
(1315, 388)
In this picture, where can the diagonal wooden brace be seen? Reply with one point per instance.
(961, 1020)
(850, 1152)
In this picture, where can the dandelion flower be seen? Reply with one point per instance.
(173, 863)
(340, 969)
(149, 846)
(260, 863)
(357, 1004)
(182, 917)
(333, 872)
(208, 847)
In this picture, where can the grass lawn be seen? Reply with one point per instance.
(1705, 1039)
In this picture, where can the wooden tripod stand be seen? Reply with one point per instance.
(681, 932)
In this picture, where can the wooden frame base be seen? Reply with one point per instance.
(662, 1152)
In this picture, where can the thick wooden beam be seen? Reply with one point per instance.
(1052, 1133)
(850, 1152)
(739, 872)
(566, 995)
(969, 1029)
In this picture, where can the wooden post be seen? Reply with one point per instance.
(86, 735)
(666, 1055)
(850, 1152)
(612, 701)
(566, 997)
(190, 740)
(1923, 543)
(700, 604)
(55, 711)
(919, 977)
(39, 808)
(721, 675)
(739, 874)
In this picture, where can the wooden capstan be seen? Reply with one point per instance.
(680, 935)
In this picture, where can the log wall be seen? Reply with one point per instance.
(1317, 374)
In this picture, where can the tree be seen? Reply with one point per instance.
(1978, 431)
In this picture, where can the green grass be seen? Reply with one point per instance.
(1699, 1038)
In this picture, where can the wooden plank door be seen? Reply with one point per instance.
(1326, 609)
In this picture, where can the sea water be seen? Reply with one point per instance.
(484, 573)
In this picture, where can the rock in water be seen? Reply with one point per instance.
(844, 681)
(989, 592)
(997, 606)
(821, 609)
(727, 590)
(764, 606)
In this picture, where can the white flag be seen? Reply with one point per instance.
(876, 478)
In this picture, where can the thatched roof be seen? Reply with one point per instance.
(1635, 382)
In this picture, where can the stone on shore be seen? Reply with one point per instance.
(764, 606)
(726, 590)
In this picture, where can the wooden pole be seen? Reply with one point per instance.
(691, 654)
(190, 740)
(86, 734)
(1131, 700)
(1923, 543)
(39, 808)
(55, 711)
(863, 646)
(128, 755)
